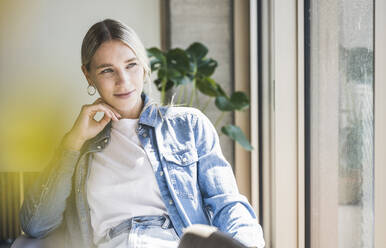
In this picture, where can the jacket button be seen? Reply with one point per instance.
(99, 147)
(184, 159)
(161, 173)
(144, 135)
(170, 202)
(106, 140)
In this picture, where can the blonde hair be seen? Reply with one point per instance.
(110, 29)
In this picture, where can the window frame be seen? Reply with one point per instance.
(277, 163)
(379, 123)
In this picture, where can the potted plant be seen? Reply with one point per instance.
(177, 68)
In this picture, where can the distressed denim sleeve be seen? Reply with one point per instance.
(45, 202)
(229, 210)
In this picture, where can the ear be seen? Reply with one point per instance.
(86, 74)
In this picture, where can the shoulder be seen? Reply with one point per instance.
(178, 116)
(189, 116)
(185, 113)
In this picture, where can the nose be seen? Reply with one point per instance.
(122, 77)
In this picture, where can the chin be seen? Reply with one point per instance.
(126, 106)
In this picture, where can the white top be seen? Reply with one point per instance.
(121, 183)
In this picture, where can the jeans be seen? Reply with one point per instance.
(142, 232)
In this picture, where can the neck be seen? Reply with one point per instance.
(133, 113)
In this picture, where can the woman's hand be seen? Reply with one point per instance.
(86, 127)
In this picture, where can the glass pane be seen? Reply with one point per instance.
(341, 115)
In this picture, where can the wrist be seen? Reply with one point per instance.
(72, 142)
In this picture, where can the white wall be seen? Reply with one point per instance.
(41, 84)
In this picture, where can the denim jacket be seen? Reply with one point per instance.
(196, 182)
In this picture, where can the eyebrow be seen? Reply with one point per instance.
(107, 65)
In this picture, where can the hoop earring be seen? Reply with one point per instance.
(91, 90)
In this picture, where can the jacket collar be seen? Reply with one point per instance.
(151, 112)
(150, 116)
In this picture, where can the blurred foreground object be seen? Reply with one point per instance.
(203, 236)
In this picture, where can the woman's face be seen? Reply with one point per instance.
(118, 76)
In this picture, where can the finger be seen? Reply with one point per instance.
(98, 100)
(109, 113)
(103, 108)
(93, 109)
(106, 118)
(111, 108)
(114, 117)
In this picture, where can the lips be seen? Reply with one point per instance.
(124, 94)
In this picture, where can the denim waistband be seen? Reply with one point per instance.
(146, 220)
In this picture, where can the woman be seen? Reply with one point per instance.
(142, 173)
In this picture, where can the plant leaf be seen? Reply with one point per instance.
(173, 74)
(207, 86)
(206, 67)
(224, 103)
(162, 73)
(155, 64)
(240, 100)
(220, 91)
(178, 59)
(158, 84)
(169, 85)
(235, 133)
(158, 55)
(197, 50)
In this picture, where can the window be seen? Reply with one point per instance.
(321, 98)
(341, 123)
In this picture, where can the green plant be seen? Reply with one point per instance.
(178, 68)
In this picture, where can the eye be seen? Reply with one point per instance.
(106, 70)
(131, 65)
